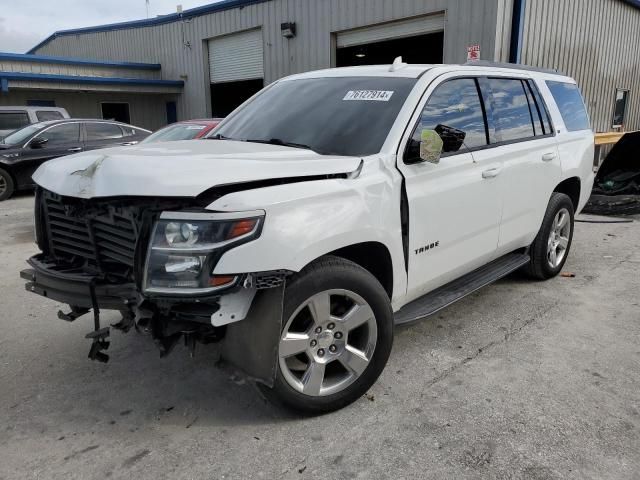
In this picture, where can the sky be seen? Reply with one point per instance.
(24, 23)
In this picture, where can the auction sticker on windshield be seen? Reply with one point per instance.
(369, 95)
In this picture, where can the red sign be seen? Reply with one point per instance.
(473, 53)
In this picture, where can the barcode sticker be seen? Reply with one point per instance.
(369, 95)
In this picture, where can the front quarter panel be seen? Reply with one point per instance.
(307, 220)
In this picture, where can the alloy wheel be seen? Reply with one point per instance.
(558, 241)
(327, 342)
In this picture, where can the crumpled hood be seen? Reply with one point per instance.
(181, 169)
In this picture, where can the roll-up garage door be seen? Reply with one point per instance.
(236, 57)
(388, 31)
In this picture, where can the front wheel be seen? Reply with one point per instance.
(550, 249)
(336, 338)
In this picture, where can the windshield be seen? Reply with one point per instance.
(333, 116)
(20, 136)
(180, 131)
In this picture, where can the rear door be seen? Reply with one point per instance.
(103, 134)
(454, 212)
(62, 139)
(522, 140)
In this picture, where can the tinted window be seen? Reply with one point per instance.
(103, 131)
(455, 104)
(540, 108)
(44, 115)
(66, 133)
(510, 110)
(339, 115)
(13, 120)
(571, 105)
(620, 108)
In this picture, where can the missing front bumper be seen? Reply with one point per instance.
(249, 345)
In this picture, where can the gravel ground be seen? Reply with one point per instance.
(520, 380)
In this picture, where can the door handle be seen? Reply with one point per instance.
(126, 144)
(492, 172)
(547, 157)
(74, 149)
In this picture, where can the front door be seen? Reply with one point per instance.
(454, 206)
(57, 141)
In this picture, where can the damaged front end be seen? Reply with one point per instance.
(153, 261)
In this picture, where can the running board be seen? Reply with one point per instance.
(450, 293)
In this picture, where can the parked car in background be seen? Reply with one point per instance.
(24, 150)
(13, 118)
(187, 130)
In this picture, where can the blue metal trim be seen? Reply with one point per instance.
(47, 77)
(517, 31)
(23, 57)
(161, 20)
(633, 3)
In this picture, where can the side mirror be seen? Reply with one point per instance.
(452, 138)
(38, 142)
(430, 146)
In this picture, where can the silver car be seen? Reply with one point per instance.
(13, 118)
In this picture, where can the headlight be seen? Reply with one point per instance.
(185, 247)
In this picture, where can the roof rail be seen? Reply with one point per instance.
(513, 66)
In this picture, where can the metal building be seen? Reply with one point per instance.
(224, 52)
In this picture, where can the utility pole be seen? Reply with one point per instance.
(146, 3)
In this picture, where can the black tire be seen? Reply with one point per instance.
(7, 186)
(539, 266)
(613, 205)
(330, 273)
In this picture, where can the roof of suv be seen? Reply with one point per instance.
(416, 70)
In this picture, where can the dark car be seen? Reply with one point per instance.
(24, 150)
(186, 130)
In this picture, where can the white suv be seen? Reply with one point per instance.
(328, 208)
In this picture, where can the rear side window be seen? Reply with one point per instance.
(538, 107)
(571, 105)
(103, 131)
(13, 120)
(455, 104)
(511, 110)
(44, 115)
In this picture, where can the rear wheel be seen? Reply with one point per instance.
(336, 337)
(551, 246)
(6, 185)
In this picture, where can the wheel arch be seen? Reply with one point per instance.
(570, 187)
(374, 257)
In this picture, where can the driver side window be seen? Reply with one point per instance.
(454, 109)
(62, 134)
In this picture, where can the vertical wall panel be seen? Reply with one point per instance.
(594, 41)
(467, 22)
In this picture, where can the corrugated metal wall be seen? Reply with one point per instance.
(147, 111)
(596, 42)
(467, 22)
(82, 70)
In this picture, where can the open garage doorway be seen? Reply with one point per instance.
(416, 40)
(227, 96)
(420, 49)
(236, 68)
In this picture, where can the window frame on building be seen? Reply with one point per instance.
(626, 92)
